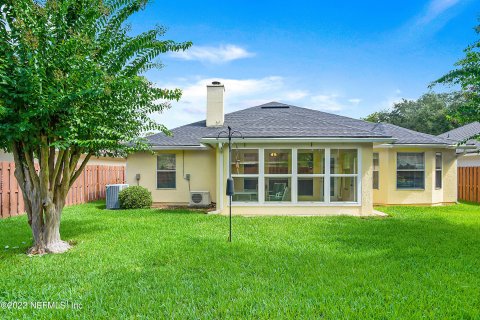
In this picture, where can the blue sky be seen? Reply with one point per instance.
(345, 57)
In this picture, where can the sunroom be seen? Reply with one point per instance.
(276, 176)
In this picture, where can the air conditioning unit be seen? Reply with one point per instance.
(200, 199)
(112, 195)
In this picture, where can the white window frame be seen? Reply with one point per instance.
(377, 171)
(248, 175)
(175, 171)
(410, 170)
(282, 175)
(343, 175)
(439, 170)
(312, 175)
(294, 178)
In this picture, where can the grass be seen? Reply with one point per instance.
(417, 263)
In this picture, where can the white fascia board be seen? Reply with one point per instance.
(419, 145)
(300, 140)
(199, 147)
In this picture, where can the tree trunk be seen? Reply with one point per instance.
(44, 192)
(51, 230)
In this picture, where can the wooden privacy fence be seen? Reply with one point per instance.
(88, 187)
(469, 184)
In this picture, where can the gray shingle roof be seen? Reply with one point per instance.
(277, 120)
(463, 133)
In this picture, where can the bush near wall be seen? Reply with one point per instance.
(135, 197)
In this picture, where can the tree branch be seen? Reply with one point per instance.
(20, 171)
(31, 168)
(56, 170)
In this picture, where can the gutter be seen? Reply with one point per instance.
(198, 147)
(420, 145)
(303, 140)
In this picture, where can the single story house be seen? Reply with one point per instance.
(466, 157)
(295, 161)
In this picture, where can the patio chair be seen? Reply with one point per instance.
(278, 192)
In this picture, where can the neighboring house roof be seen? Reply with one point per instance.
(463, 133)
(278, 120)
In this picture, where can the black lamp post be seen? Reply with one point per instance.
(230, 186)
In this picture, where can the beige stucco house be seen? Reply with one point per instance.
(295, 161)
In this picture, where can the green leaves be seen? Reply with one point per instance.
(431, 113)
(70, 70)
(467, 77)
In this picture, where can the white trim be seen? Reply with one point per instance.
(306, 140)
(410, 170)
(294, 179)
(359, 175)
(167, 170)
(417, 145)
(438, 170)
(299, 204)
(261, 176)
(199, 147)
(294, 184)
(326, 181)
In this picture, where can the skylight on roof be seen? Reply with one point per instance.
(275, 107)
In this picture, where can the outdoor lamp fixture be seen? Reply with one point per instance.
(230, 186)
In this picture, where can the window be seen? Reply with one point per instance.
(278, 161)
(311, 175)
(410, 170)
(245, 172)
(278, 172)
(245, 161)
(308, 175)
(376, 163)
(278, 189)
(343, 175)
(438, 170)
(166, 171)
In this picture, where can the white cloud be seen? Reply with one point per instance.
(217, 55)
(327, 102)
(355, 101)
(244, 93)
(434, 9)
(432, 18)
(394, 98)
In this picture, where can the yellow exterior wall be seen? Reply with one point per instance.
(199, 164)
(205, 170)
(387, 194)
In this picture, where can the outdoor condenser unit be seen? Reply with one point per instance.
(112, 195)
(200, 199)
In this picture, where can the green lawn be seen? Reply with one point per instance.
(417, 263)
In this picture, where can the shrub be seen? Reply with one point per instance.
(135, 197)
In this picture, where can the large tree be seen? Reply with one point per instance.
(70, 84)
(467, 76)
(431, 113)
